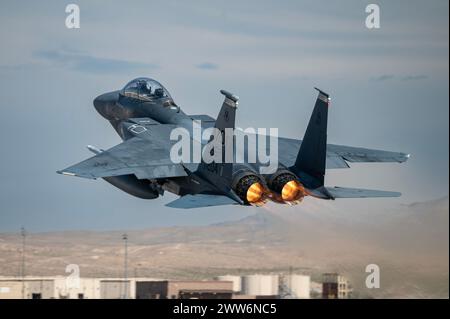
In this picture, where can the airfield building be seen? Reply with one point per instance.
(184, 289)
(335, 286)
(61, 287)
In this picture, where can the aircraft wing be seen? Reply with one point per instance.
(344, 192)
(339, 155)
(365, 155)
(146, 155)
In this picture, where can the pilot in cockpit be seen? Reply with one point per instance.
(159, 92)
(145, 89)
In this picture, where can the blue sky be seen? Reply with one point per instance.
(389, 90)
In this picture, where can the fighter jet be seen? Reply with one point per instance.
(144, 114)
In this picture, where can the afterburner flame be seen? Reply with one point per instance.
(292, 191)
(255, 193)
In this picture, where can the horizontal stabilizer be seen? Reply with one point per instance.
(200, 200)
(343, 192)
(365, 155)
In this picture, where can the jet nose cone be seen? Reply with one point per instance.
(99, 103)
(104, 103)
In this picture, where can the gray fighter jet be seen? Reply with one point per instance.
(144, 114)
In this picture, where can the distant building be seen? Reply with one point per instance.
(31, 288)
(335, 286)
(236, 280)
(224, 287)
(60, 287)
(315, 290)
(297, 286)
(184, 289)
(261, 286)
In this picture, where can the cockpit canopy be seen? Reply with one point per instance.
(145, 89)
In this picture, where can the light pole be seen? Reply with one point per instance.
(23, 234)
(125, 272)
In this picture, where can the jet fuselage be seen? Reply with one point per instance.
(144, 115)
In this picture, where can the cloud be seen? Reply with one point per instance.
(207, 66)
(382, 78)
(87, 63)
(414, 77)
(387, 77)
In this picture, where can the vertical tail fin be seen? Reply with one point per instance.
(311, 158)
(227, 114)
(220, 174)
(225, 120)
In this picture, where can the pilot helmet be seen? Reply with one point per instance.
(159, 92)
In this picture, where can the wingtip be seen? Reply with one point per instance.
(405, 157)
(230, 95)
(393, 194)
(65, 173)
(322, 92)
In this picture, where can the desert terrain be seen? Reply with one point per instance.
(410, 245)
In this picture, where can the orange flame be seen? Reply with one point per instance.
(255, 193)
(292, 191)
